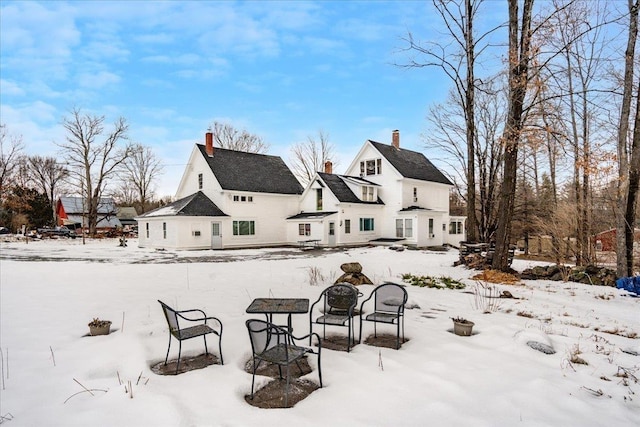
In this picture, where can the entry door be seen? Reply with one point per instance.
(216, 237)
(332, 234)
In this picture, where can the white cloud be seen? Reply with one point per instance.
(97, 80)
(8, 87)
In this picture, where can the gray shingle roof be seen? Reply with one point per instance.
(411, 164)
(342, 191)
(73, 205)
(260, 173)
(196, 204)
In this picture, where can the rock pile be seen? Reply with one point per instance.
(590, 274)
(353, 274)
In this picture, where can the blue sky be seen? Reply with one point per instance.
(282, 70)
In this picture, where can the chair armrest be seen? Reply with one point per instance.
(363, 302)
(307, 336)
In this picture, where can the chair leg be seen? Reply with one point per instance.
(286, 392)
(220, 349)
(206, 350)
(179, 354)
(360, 334)
(253, 377)
(168, 348)
(398, 336)
(319, 367)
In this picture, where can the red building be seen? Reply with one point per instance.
(606, 240)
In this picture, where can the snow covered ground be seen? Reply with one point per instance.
(50, 290)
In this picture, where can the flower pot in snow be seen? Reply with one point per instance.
(99, 327)
(462, 327)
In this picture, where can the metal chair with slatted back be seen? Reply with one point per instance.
(275, 344)
(338, 303)
(200, 328)
(389, 301)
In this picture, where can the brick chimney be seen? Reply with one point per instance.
(395, 138)
(209, 143)
(328, 167)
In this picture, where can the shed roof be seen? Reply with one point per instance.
(74, 205)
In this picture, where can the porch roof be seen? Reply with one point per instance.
(312, 215)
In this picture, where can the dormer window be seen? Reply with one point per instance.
(368, 194)
(199, 181)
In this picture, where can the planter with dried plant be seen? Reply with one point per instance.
(99, 327)
(462, 326)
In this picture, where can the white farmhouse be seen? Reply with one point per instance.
(227, 199)
(387, 194)
(233, 199)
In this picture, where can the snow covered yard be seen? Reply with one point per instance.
(50, 290)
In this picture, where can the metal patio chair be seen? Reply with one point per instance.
(275, 344)
(338, 304)
(200, 328)
(389, 300)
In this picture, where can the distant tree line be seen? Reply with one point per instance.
(546, 140)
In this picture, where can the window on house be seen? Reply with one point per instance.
(347, 226)
(430, 227)
(404, 228)
(304, 229)
(371, 167)
(366, 224)
(379, 166)
(146, 227)
(237, 198)
(332, 229)
(415, 194)
(368, 194)
(319, 199)
(199, 181)
(244, 228)
(408, 228)
(455, 227)
(164, 230)
(361, 168)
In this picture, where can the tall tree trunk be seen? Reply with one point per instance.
(632, 195)
(623, 227)
(519, 56)
(472, 221)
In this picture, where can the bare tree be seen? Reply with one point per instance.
(10, 151)
(140, 171)
(310, 156)
(448, 136)
(227, 136)
(47, 175)
(93, 155)
(459, 65)
(519, 58)
(627, 170)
